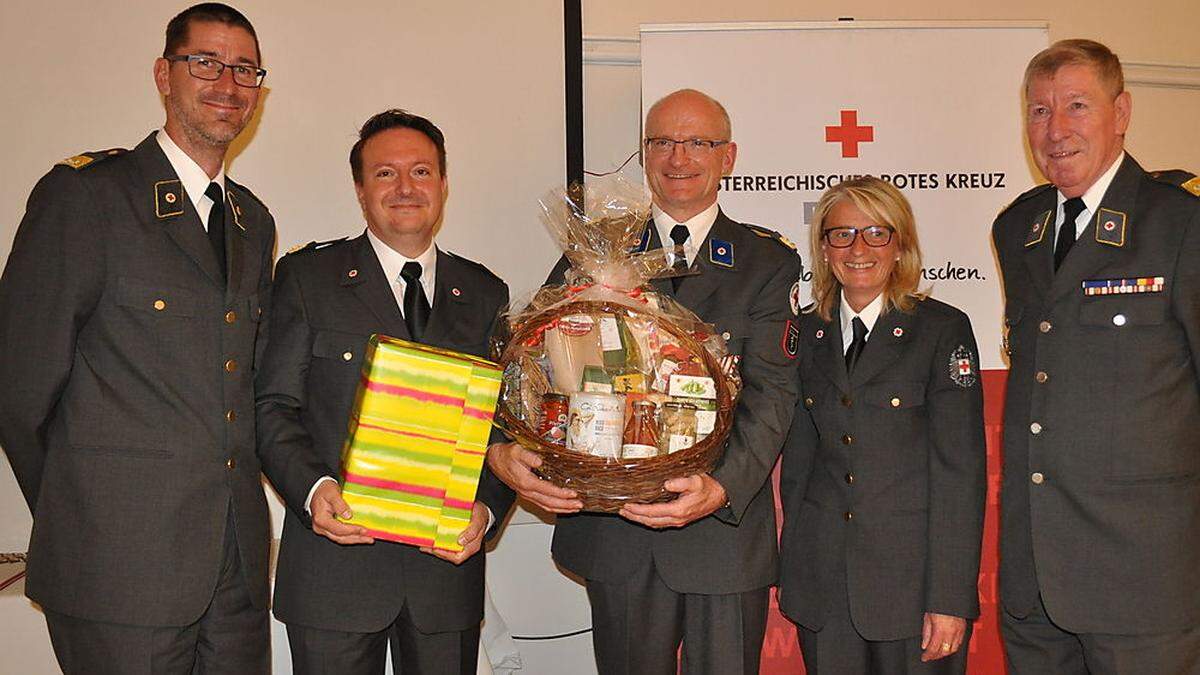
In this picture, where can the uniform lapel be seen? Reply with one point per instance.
(363, 274)
(172, 207)
(663, 286)
(698, 291)
(236, 238)
(1039, 241)
(828, 354)
(885, 343)
(1107, 235)
(448, 299)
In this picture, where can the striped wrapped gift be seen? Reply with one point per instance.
(418, 432)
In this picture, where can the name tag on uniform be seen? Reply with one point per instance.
(1123, 286)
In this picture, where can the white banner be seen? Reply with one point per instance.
(933, 108)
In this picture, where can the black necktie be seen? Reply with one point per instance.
(216, 224)
(416, 307)
(679, 235)
(1066, 232)
(856, 345)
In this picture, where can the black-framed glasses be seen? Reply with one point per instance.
(843, 237)
(208, 68)
(692, 147)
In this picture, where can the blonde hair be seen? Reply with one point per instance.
(1078, 52)
(883, 204)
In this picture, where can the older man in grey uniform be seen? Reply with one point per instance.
(1100, 540)
(129, 319)
(695, 570)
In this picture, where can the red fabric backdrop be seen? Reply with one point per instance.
(781, 653)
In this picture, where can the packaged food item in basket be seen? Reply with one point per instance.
(678, 426)
(594, 423)
(640, 439)
(553, 427)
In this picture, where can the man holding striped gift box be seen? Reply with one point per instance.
(344, 596)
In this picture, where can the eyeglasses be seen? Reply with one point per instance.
(843, 237)
(208, 68)
(692, 147)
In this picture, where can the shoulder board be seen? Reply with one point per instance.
(243, 189)
(477, 265)
(770, 234)
(1026, 195)
(88, 159)
(313, 246)
(1184, 179)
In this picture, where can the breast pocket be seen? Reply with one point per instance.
(337, 347)
(734, 330)
(894, 395)
(1128, 311)
(156, 300)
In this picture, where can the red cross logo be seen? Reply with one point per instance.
(964, 366)
(849, 134)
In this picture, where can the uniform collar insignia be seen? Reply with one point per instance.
(168, 198)
(720, 252)
(236, 209)
(1037, 231)
(644, 242)
(1110, 227)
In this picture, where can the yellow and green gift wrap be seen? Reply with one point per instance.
(418, 433)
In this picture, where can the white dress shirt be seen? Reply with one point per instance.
(698, 227)
(1091, 199)
(193, 178)
(869, 315)
(393, 261)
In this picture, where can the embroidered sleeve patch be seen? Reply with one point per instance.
(963, 370)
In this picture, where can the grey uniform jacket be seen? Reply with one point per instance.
(127, 411)
(746, 295)
(884, 474)
(329, 301)
(1101, 486)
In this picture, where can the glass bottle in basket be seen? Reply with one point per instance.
(678, 426)
(641, 432)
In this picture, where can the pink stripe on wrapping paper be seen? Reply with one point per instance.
(478, 414)
(409, 392)
(392, 536)
(412, 434)
(459, 504)
(393, 485)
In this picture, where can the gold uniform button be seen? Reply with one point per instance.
(895, 401)
(230, 366)
(1035, 428)
(230, 416)
(160, 305)
(231, 463)
(849, 515)
(849, 479)
(230, 316)
(847, 401)
(1044, 326)
(808, 402)
(346, 356)
(1041, 377)
(847, 439)
(1037, 478)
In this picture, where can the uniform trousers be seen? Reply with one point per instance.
(317, 651)
(839, 649)
(1035, 645)
(639, 623)
(231, 636)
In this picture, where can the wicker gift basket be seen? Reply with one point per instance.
(619, 353)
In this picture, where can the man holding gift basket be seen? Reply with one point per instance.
(695, 570)
(343, 596)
